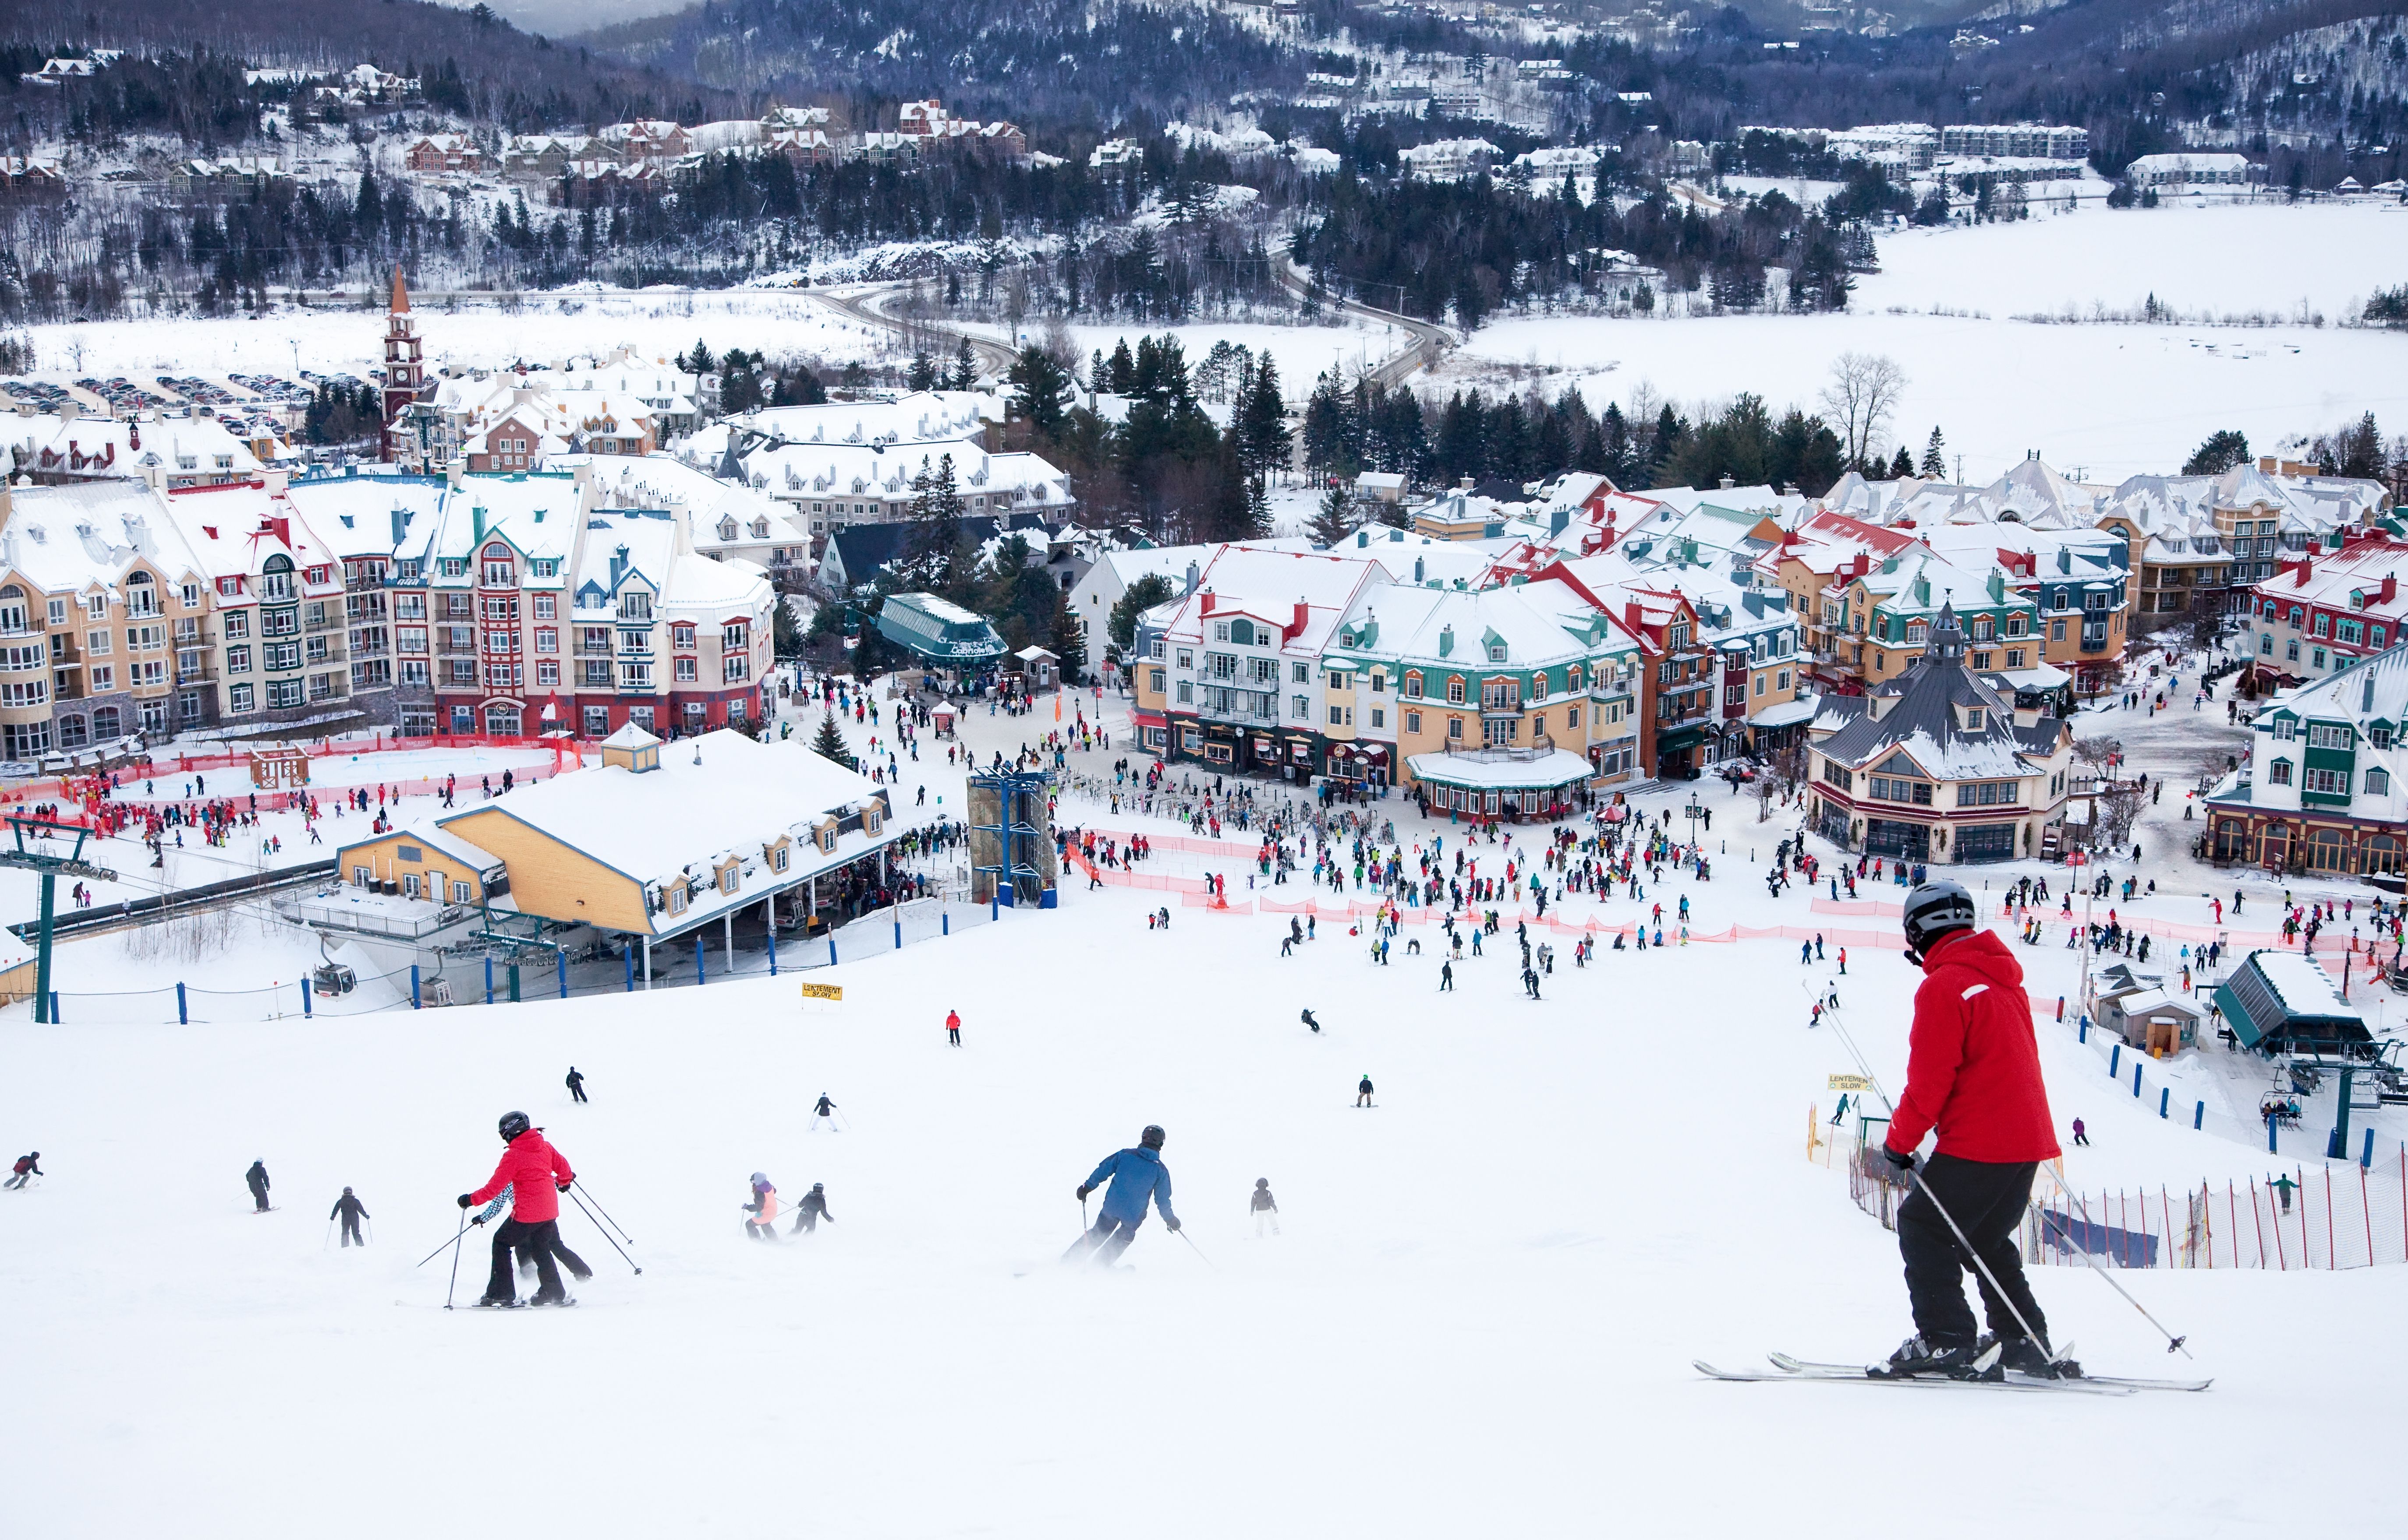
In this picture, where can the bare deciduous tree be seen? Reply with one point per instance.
(1863, 391)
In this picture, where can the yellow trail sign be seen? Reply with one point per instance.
(823, 991)
(1839, 1082)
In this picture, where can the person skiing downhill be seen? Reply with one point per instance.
(1974, 1075)
(352, 1211)
(811, 1211)
(763, 1225)
(536, 1175)
(1137, 1175)
(576, 1083)
(824, 1112)
(256, 1179)
(1264, 1207)
(1363, 1092)
(1310, 1022)
(26, 1169)
(953, 1027)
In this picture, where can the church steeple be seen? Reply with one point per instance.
(1947, 643)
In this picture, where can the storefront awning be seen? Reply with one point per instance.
(1681, 738)
(1536, 773)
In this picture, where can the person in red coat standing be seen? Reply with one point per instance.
(953, 1027)
(535, 1175)
(1972, 1074)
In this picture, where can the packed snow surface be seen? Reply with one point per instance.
(1479, 1318)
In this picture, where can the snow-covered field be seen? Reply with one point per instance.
(2113, 400)
(544, 328)
(1479, 1318)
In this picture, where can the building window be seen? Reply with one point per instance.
(1337, 716)
(1412, 687)
(1379, 716)
(2279, 772)
(1413, 721)
(1300, 707)
(686, 671)
(1455, 695)
(2378, 783)
(1454, 728)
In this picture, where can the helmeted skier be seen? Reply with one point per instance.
(352, 1211)
(256, 1179)
(763, 1225)
(811, 1210)
(1974, 1074)
(26, 1169)
(536, 1175)
(1363, 1092)
(1137, 1175)
(1264, 1207)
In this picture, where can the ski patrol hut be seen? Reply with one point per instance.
(1039, 669)
(2279, 1002)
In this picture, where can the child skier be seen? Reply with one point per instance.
(763, 1225)
(1264, 1208)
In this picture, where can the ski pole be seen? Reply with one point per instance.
(328, 1238)
(1181, 1234)
(455, 1264)
(2173, 1342)
(439, 1250)
(605, 1234)
(1915, 1171)
(581, 1188)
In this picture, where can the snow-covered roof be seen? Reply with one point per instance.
(83, 536)
(1926, 718)
(2302, 985)
(1541, 772)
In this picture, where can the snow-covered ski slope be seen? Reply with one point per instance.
(1480, 1318)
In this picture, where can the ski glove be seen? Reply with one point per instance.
(1903, 1159)
(1173, 1224)
(1084, 1190)
(466, 1200)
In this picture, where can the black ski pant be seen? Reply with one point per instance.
(1987, 1200)
(806, 1222)
(258, 1199)
(533, 1241)
(352, 1231)
(570, 1260)
(577, 1092)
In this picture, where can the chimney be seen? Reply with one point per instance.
(1303, 618)
(1725, 482)
(1445, 641)
(2307, 566)
(1192, 576)
(1207, 608)
(2390, 588)
(1419, 578)
(1464, 485)
(134, 435)
(477, 520)
(618, 565)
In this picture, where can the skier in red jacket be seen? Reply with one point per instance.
(1972, 1072)
(535, 1175)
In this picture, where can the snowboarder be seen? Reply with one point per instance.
(1138, 1175)
(824, 1112)
(26, 1169)
(811, 1211)
(1363, 1092)
(536, 1175)
(1445, 976)
(1974, 1074)
(953, 1027)
(1264, 1208)
(350, 1211)
(576, 1085)
(1310, 1022)
(763, 1225)
(256, 1179)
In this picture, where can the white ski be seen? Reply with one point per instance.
(1783, 1361)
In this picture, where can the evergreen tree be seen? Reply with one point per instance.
(828, 743)
(1326, 429)
(1258, 509)
(1044, 389)
(2223, 450)
(1903, 465)
(785, 632)
(1935, 457)
(921, 376)
(1068, 643)
(1143, 594)
(1333, 520)
(965, 376)
(1261, 423)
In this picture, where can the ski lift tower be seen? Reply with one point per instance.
(1012, 838)
(23, 858)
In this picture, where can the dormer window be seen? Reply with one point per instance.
(1497, 652)
(1974, 719)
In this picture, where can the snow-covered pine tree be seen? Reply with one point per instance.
(1935, 456)
(829, 744)
(1332, 522)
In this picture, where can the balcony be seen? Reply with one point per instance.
(197, 674)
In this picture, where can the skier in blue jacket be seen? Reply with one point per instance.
(1137, 1175)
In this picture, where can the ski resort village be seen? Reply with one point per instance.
(1403, 770)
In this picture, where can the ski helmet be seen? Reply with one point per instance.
(759, 1179)
(1152, 1137)
(819, 1187)
(1262, 1182)
(1933, 910)
(513, 1125)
